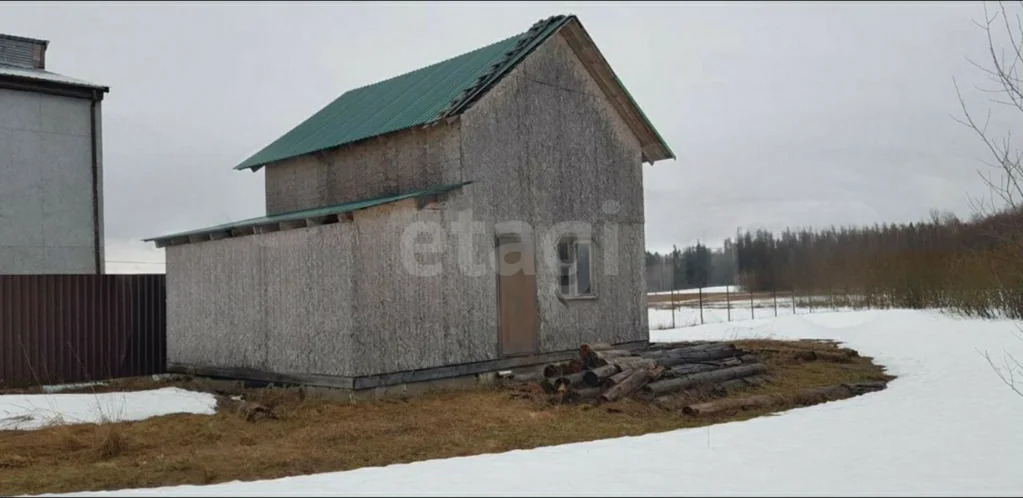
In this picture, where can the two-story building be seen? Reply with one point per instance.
(51, 165)
(478, 214)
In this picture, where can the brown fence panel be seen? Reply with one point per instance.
(73, 328)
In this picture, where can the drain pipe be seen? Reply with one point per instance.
(95, 184)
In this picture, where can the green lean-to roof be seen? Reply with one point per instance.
(412, 99)
(228, 229)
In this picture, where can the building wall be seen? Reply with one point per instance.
(402, 162)
(333, 299)
(46, 213)
(546, 147)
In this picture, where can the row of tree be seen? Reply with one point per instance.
(693, 266)
(973, 266)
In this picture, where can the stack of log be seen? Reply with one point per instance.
(604, 374)
(683, 376)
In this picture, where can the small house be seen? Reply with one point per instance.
(479, 214)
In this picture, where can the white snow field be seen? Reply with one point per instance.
(946, 426)
(34, 411)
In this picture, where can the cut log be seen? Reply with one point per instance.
(634, 363)
(596, 377)
(553, 370)
(599, 346)
(689, 368)
(806, 396)
(713, 376)
(613, 353)
(689, 350)
(634, 381)
(570, 380)
(618, 377)
(728, 405)
(716, 354)
(681, 344)
(729, 362)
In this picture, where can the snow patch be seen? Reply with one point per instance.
(35, 411)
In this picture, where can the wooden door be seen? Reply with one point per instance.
(516, 294)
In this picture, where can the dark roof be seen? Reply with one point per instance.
(417, 98)
(274, 222)
(25, 39)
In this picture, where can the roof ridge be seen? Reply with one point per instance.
(485, 79)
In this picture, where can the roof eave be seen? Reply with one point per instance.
(654, 147)
(295, 219)
(68, 89)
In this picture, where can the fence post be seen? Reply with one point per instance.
(728, 303)
(793, 300)
(674, 267)
(809, 298)
(701, 305)
(752, 316)
(774, 294)
(831, 296)
(673, 303)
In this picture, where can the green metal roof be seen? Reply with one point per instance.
(416, 98)
(347, 207)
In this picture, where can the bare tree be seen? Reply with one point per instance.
(1003, 28)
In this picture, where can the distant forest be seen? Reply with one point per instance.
(974, 266)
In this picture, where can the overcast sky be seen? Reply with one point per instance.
(781, 114)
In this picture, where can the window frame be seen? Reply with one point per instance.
(573, 242)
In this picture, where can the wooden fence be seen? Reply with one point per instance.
(74, 328)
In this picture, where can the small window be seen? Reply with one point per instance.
(574, 275)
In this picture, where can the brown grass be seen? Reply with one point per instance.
(315, 434)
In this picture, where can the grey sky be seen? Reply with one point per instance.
(781, 114)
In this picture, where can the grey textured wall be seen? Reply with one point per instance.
(402, 162)
(293, 301)
(46, 220)
(545, 146)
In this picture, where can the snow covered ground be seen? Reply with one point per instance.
(33, 411)
(946, 426)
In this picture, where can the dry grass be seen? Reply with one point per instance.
(319, 435)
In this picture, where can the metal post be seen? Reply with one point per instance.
(793, 300)
(728, 303)
(701, 305)
(809, 297)
(774, 293)
(831, 296)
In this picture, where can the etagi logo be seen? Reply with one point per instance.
(467, 245)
